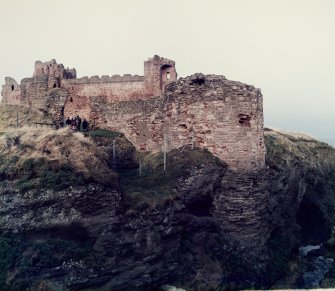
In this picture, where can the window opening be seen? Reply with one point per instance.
(244, 119)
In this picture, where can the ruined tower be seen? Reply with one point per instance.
(55, 72)
(158, 72)
(11, 92)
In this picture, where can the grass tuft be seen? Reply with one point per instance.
(52, 158)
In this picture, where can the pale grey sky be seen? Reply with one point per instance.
(284, 47)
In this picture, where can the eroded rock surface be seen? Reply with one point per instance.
(199, 225)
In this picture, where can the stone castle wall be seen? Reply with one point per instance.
(113, 89)
(158, 72)
(210, 112)
(155, 110)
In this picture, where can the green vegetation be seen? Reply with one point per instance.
(155, 185)
(38, 173)
(103, 133)
(151, 185)
(55, 159)
(283, 148)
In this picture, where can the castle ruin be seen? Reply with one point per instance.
(155, 110)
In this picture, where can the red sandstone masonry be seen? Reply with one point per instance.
(226, 117)
(203, 110)
(11, 92)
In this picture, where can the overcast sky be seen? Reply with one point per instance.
(284, 47)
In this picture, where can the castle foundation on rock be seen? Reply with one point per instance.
(155, 110)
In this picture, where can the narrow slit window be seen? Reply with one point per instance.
(12, 87)
(168, 76)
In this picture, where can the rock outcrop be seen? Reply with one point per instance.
(301, 197)
(97, 235)
(196, 226)
(301, 172)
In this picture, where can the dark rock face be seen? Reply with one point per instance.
(137, 248)
(302, 186)
(242, 209)
(301, 172)
(319, 267)
(212, 228)
(47, 210)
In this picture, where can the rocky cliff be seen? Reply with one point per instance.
(78, 214)
(302, 198)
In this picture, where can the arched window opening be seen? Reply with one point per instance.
(55, 85)
(71, 100)
(12, 87)
(168, 76)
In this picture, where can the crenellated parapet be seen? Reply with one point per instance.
(49, 76)
(104, 79)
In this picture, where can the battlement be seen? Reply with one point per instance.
(105, 79)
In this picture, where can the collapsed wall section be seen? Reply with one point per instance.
(54, 70)
(42, 91)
